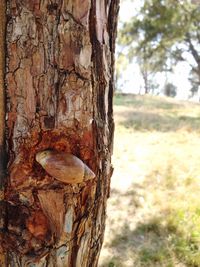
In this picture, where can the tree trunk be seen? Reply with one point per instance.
(146, 82)
(2, 121)
(59, 87)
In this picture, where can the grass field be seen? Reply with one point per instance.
(154, 208)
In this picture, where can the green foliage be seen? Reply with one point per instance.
(163, 33)
(194, 79)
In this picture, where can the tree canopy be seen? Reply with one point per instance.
(163, 33)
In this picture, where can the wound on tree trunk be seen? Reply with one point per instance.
(59, 130)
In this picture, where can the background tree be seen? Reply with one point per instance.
(170, 89)
(58, 89)
(147, 69)
(194, 80)
(168, 30)
(121, 64)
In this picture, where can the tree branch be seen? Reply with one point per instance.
(193, 50)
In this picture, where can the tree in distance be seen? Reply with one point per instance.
(163, 33)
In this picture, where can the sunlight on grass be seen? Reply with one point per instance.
(154, 208)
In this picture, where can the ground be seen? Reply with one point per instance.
(154, 208)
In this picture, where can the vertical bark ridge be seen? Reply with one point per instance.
(2, 90)
(2, 122)
(103, 33)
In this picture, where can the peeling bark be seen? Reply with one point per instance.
(59, 85)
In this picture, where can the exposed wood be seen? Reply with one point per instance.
(52, 203)
(59, 98)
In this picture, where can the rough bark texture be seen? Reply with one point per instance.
(2, 93)
(2, 118)
(59, 86)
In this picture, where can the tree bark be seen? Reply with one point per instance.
(59, 87)
(2, 121)
(146, 82)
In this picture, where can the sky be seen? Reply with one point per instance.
(132, 81)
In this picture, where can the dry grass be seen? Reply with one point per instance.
(154, 208)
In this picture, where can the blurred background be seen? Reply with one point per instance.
(154, 208)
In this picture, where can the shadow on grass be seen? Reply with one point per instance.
(133, 196)
(143, 121)
(152, 245)
(149, 102)
(163, 240)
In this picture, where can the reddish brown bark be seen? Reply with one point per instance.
(59, 85)
(2, 93)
